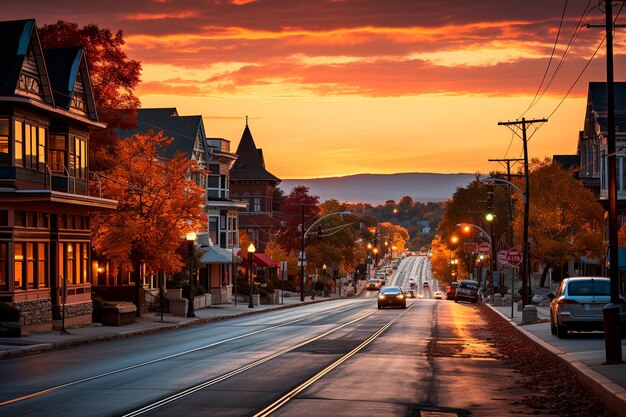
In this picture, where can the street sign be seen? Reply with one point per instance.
(483, 247)
(302, 263)
(514, 257)
(470, 247)
(283, 270)
(502, 257)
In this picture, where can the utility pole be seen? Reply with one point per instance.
(302, 258)
(526, 250)
(612, 342)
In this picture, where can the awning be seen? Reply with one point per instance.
(217, 255)
(262, 260)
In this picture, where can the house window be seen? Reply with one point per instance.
(256, 203)
(4, 248)
(71, 277)
(42, 265)
(78, 157)
(4, 141)
(18, 265)
(30, 264)
(57, 153)
(19, 143)
(20, 218)
(213, 229)
(84, 263)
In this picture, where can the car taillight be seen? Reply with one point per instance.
(567, 301)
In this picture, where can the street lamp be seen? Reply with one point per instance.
(191, 238)
(324, 272)
(304, 234)
(375, 257)
(251, 250)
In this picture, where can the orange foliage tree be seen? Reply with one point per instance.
(158, 205)
(565, 219)
(113, 74)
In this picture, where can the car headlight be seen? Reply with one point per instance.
(400, 296)
(381, 297)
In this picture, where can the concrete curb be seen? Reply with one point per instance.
(611, 394)
(45, 347)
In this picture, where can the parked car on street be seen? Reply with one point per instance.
(578, 305)
(391, 296)
(467, 291)
(451, 291)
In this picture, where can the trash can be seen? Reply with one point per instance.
(529, 314)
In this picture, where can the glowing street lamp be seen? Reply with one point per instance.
(191, 238)
(251, 250)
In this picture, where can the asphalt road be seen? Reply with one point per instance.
(339, 358)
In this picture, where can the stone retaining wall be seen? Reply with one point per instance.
(35, 312)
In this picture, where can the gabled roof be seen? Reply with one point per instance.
(250, 164)
(17, 37)
(567, 161)
(183, 129)
(65, 66)
(597, 100)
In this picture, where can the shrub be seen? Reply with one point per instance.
(9, 313)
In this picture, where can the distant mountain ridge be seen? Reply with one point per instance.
(378, 188)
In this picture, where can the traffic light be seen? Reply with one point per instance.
(319, 232)
(489, 214)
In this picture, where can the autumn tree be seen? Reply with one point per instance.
(158, 205)
(442, 252)
(113, 74)
(290, 215)
(565, 219)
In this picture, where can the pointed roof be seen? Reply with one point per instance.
(250, 164)
(67, 67)
(183, 129)
(17, 37)
(597, 99)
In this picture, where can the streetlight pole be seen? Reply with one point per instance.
(302, 257)
(303, 238)
(251, 250)
(526, 250)
(191, 238)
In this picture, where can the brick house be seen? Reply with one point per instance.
(46, 112)
(252, 183)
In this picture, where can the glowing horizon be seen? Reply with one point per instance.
(335, 88)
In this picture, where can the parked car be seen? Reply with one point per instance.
(438, 295)
(410, 294)
(391, 296)
(451, 291)
(467, 291)
(578, 305)
(373, 284)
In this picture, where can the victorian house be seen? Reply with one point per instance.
(219, 240)
(46, 112)
(254, 185)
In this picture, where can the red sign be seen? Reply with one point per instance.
(470, 247)
(502, 257)
(514, 257)
(484, 247)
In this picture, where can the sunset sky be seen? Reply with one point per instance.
(340, 87)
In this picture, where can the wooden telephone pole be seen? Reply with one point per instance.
(526, 251)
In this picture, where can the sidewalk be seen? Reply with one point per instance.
(583, 353)
(148, 323)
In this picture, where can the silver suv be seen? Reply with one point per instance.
(578, 305)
